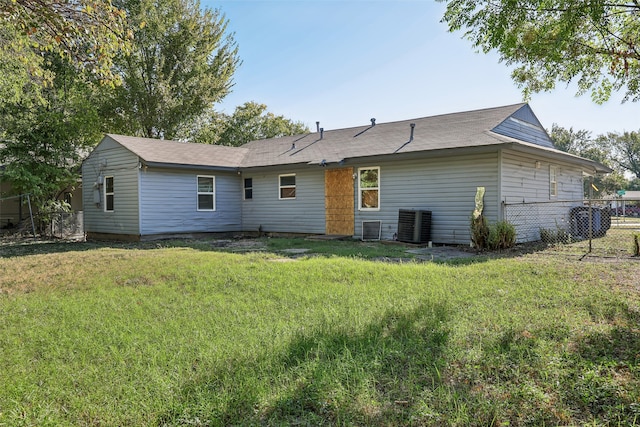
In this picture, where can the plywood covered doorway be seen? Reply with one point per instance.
(338, 201)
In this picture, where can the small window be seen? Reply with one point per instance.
(287, 186)
(369, 188)
(206, 193)
(553, 182)
(108, 194)
(248, 188)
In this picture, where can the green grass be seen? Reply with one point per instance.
(177, 334)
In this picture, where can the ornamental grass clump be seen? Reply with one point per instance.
(502, 235)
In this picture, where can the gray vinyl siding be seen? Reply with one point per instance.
(523, 182)
(168, 203)
(111, 159)
(304, 214)
(524, 126)
(445, 186)
(526, 193)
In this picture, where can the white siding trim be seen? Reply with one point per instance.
(360, 189)
(553, 182)
(112, 194)
(499, 186)
(281, 187)
(140, 204)
(211, 193)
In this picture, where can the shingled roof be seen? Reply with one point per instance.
(163, 152)
(467, 129)
(449, 131)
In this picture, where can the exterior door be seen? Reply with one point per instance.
(338, 201)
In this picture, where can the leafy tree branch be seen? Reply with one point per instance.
(595, 44)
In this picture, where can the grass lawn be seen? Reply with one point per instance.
(187, 334)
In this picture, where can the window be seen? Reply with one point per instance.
(369, 188)
(287, 186)
(553, 182)
(248, 188)
(206, 193)
(108, 194)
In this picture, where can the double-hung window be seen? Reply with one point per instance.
(287, 186)
(108, 194)
(553, 182)
(206, 193)
(369, 188)
(248, 188)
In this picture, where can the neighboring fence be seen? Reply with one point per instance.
(604, 226)
(67, 225)
(18, 220)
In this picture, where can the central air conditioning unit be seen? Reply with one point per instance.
(414, 226)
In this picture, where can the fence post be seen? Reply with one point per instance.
(33, 226)
(590, 214)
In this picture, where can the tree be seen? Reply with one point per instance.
(569, 140)
(594, 43)
(89, 33)
(582, 144)
(43, 143)
(249, 122)
(180, 65)
(625, 150)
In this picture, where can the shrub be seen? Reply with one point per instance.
(551, 236)
(501, 235)
(479, 232)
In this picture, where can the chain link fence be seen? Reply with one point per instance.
(19, 220)
(601, 227)
(67, 225)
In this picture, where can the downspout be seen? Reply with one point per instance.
(139, 174)
(502, 202)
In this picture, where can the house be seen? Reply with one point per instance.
(331, 182)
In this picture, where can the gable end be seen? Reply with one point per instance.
(525, 126)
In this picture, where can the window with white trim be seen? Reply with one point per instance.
(553, 182)
(287, 186)
(108, 194)
(369, 188)
(248, 188)
(206, 193)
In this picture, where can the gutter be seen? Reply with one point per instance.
(145, 164)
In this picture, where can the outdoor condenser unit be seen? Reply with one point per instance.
(414, 226)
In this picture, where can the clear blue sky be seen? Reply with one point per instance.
(344, 62)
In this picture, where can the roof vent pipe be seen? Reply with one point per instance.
(321, 133)
(318, 127)
(373, 122)
(413, 125)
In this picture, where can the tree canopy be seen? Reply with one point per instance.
(43, 143)
(621, 152)
(181, 63)
(249, 122)
(625, 150)
(594, 43)
(89, 33)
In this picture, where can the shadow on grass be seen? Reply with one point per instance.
(333, 375)
(606, 382)
(380, 252)
(596, 381)
(38, 247)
